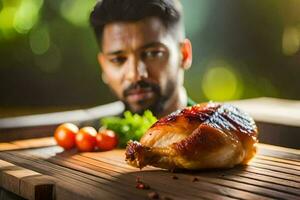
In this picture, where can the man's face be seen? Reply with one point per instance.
(141, 62)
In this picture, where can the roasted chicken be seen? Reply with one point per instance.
(208, 135)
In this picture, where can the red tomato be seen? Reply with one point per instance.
(86, 139)
(65, 135)
(106, 140)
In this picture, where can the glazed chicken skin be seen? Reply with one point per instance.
(208, 135)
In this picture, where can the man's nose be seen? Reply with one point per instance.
(137, 70)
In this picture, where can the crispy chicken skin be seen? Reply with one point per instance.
(208, 135)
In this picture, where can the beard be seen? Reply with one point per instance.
(157, 105)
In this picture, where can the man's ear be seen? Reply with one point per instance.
(100, 58)
(187, 54)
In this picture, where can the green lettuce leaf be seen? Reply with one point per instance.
(130, 127)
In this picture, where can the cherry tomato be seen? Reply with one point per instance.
(65, 135)
(106, 140)
(86, 139)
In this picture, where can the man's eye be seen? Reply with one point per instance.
(153, 54)
(118, 60)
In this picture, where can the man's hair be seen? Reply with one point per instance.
(108, 11)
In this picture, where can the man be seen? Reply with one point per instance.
(143, 52)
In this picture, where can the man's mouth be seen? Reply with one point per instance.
(140, 94)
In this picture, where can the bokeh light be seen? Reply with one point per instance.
(77, 11)
(18, 16)
(290, 41)
(220, 82)
(39, 40)
(27, 15)
(7, 22)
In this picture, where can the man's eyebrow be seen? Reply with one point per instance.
(151, 44)
(114, 53)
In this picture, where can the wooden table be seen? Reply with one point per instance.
(37, 169)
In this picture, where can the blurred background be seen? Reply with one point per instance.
(242, 49)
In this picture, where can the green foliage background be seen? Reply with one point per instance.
(242, 49)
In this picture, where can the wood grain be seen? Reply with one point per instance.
(272, 174)
(27, 144)
(25, 183)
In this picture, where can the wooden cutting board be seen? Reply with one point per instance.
(49, 173)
